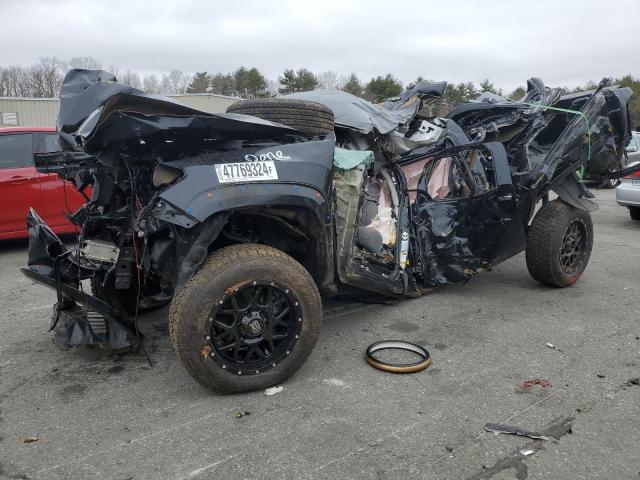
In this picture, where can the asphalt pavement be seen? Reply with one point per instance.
(93, 414)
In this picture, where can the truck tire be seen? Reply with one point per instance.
(559, 244)
(634, 213)
(311, 118)
(247, 320)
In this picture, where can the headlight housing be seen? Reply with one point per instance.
(165, 175)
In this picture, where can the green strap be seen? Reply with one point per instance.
(574, 112)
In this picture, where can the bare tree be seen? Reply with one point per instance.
(131, 78)
(114, 70)
(87, 63)
(3, 82)
(15, 82)
(175, 83)
(44, 78)
(272, 87)
(331, 80)
(151, 84)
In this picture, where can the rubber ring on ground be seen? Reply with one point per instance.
(398, 367)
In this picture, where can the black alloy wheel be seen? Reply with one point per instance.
(247, 319)
(573, 249)
(559, 244)
(254, 327)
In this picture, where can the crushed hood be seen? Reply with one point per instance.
(97, 113)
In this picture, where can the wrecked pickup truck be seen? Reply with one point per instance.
(243, 220)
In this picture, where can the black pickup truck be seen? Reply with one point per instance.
(245, 220)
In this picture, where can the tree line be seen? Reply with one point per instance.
(43, 79)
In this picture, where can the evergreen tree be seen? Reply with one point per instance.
(487, 86)
(199, 83)
(250, 83)
(381, 88)
(353, 86)
(517, 94)
(301, 81)
(222, 84)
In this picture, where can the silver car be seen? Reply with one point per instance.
(628, 192)
(632, 150)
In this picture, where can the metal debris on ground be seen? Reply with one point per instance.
(273, 391)
(240, 414)
(553, 347)
(497, 428)
(30, 439)
(527, 452)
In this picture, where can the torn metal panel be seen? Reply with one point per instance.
(44, 246)
(96, 112)
(190, 255)
(416, 93)
(547, 134)
(572, 191)
(476, 224)
(78, 318)
(358, 114)
(76, 325)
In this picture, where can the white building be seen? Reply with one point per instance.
(42, 112)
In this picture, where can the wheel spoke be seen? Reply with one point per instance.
(249, 300)
(255, 349)
(269, 300)
(227, 347)
(280, 315)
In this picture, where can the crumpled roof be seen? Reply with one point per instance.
(419, 90)
(97, 112)
(357, 113)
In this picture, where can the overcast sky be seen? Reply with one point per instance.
(565, 43)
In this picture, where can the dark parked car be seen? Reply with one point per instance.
(244, 219)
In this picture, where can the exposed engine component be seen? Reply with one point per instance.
(100, 251)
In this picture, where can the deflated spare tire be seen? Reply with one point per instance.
(311, 118)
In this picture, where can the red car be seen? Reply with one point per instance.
(21, 186)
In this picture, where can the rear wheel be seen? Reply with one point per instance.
(559, 244)
(311, 118)
(247, 320)
(634, 213)
(610, 183)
